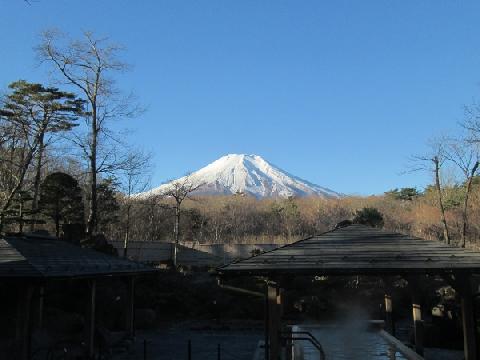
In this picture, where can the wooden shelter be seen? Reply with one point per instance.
(28, 263)
(363, 250)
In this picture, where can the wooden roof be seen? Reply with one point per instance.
(30, 257)
(358, 249)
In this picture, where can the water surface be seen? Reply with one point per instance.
(350, 343)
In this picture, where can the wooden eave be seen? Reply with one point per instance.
(358, 250)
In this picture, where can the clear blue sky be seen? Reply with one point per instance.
(340, 93)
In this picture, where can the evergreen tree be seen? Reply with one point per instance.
(403, 194)
(33, 112)
(20, 212)
(107, 204)
(61, 200)
(369, 216)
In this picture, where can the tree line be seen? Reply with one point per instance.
(244, 219)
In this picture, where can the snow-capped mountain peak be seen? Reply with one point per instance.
(249, 174)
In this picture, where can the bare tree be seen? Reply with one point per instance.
(87, 65)
(134, 178)
(471, 123)
(433, 163)
(464, 154)
(179, 190)
(153, 204)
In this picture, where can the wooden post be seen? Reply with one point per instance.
(390, 327)
(19, 316)
(23, 321)
(418, 326)
(266, 324)
(130, 307)
(416, 312)
(274, 322)
(469, 338)
(463, 285)
(289, 350)
(280, 301)
(90, 319)
(388, 288)
(41, 302)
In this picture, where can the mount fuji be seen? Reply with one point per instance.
(248, 174)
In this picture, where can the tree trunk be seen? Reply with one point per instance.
(57, 226)
(440, 199)
(127, 231)
(92, 214)
(38, 176)
(176, 235)
(20, 215)
(26, 163)
(468, 188)
(57, 218)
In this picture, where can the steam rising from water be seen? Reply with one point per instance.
(348, 338)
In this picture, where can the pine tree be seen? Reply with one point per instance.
(34, 112)
(108, 206)
(61, 200)
(20, 212)
(369, 216)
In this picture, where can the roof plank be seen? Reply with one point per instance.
(358, 249)
(32, 257)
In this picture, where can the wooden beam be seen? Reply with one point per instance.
(273, 322)
(90, 319)
(130, 307)
(241, 290)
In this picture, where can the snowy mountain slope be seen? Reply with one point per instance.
(249, 174)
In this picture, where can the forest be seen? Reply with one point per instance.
(67, 168)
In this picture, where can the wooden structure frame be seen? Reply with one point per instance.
(30, 262)
(362, 250)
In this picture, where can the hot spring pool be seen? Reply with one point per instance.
(356, 342)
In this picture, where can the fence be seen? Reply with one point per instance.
(190, 253)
